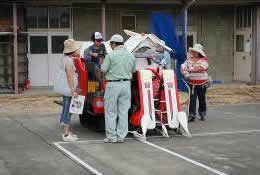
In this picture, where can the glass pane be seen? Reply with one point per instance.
(37, 17)
(39, 44)
(59, 17)
(240, 43)
(128, 22)
(65, 18)
(249, 17)
(57, 43)
(42, 22)
(32, 21)
(189, 41)
(54, 15)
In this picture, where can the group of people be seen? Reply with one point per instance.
(118, 67)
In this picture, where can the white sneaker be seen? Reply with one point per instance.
(73, 135)
(69, 138)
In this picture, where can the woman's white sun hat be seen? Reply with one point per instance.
(71, 46)
(198, 48)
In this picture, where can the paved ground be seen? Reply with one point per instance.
(227, 143)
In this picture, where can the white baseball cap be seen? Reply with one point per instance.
(96, 36)
(117, 38)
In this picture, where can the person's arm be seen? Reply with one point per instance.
(88, 54)
(134, 65)
(105, 63)
(167, 58)
(202, 66)
(183, 72)
(69, 70)
(196, 69)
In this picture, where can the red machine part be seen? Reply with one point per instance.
(82, 76)
(135, 119)
(98, 105)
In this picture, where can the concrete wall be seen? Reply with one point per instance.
(257, 45)
(214, 26)
(215, 29)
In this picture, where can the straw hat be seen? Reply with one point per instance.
(71, 46)
(198, 48)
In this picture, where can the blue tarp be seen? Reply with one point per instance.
(163, 27)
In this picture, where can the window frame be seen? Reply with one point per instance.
(48, 19)
(121, 21)
(242, 15)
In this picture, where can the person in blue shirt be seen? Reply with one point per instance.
(94, 53)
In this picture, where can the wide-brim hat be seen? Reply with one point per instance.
(71, 46)
(198, 48)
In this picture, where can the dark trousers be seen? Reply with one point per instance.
(198, 91)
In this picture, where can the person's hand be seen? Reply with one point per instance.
(74, 93)
(94, 54)
(189, 70)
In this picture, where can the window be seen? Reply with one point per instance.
(128, 22)
(39, 44)
(243, 17)
(57, 43)
(240, 43)
(37, 17)
(59, 17)
(40, 17)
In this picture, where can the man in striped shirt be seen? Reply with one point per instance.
(195, 69)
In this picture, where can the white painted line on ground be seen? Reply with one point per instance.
(238, 104)
(184, 158)
(225, 133)
(77, 159)
(196, 134)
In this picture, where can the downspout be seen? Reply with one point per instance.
(15, 47)
(103, 19)
(184, 11)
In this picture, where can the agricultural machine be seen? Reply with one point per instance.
(155, 102)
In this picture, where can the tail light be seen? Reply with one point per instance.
(91, 86)
(98, 105)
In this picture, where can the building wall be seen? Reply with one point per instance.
(257, 45)
(6, 49)
(215, 28)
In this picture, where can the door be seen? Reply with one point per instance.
(38, 59)
(45, 53)
(243, 56)
(56, 44)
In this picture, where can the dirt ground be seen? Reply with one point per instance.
(233, 94)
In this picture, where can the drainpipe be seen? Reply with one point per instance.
(184, 11)
(15, 45)
(103, 19)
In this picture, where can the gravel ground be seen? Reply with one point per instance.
(23, 104)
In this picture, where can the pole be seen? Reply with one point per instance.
(184, 31)
(103, 20)
(15, 48)
(184, 12)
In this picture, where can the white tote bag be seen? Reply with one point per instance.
(61, 85)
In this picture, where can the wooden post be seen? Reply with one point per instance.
(15, 48)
